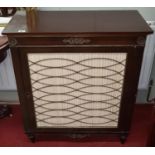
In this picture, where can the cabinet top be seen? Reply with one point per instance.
(75, 22)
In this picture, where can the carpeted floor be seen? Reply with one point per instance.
(12, 133)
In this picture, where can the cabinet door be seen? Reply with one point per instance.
(80, 87)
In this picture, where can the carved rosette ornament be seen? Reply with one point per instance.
(12, 42)
(141, 41)
(76, 41)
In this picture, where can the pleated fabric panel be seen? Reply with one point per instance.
(77, 90)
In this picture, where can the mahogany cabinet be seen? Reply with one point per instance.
(77, 71)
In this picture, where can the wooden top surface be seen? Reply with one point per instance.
(3, 40)
(85, 22)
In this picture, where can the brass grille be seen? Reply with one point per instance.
(77, 90)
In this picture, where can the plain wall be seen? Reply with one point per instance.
(147, 12)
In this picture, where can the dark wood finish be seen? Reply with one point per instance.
(93, 40)
(3, 47)
(7, 11)
(58, 22)
(3, 41)
(84, 32)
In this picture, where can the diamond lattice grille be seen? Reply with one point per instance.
(77, 90)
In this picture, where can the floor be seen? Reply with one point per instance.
(12, 132)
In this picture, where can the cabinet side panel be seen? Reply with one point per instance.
(18, 69)
(133, 66)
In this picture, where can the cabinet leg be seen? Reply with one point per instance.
(32, 137)
(123, 137)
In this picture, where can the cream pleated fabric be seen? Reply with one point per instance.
(77, 90)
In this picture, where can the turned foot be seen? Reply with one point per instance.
(31, 136)
(123, 137)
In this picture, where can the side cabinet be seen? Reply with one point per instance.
(74, 82)
(77, 90)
